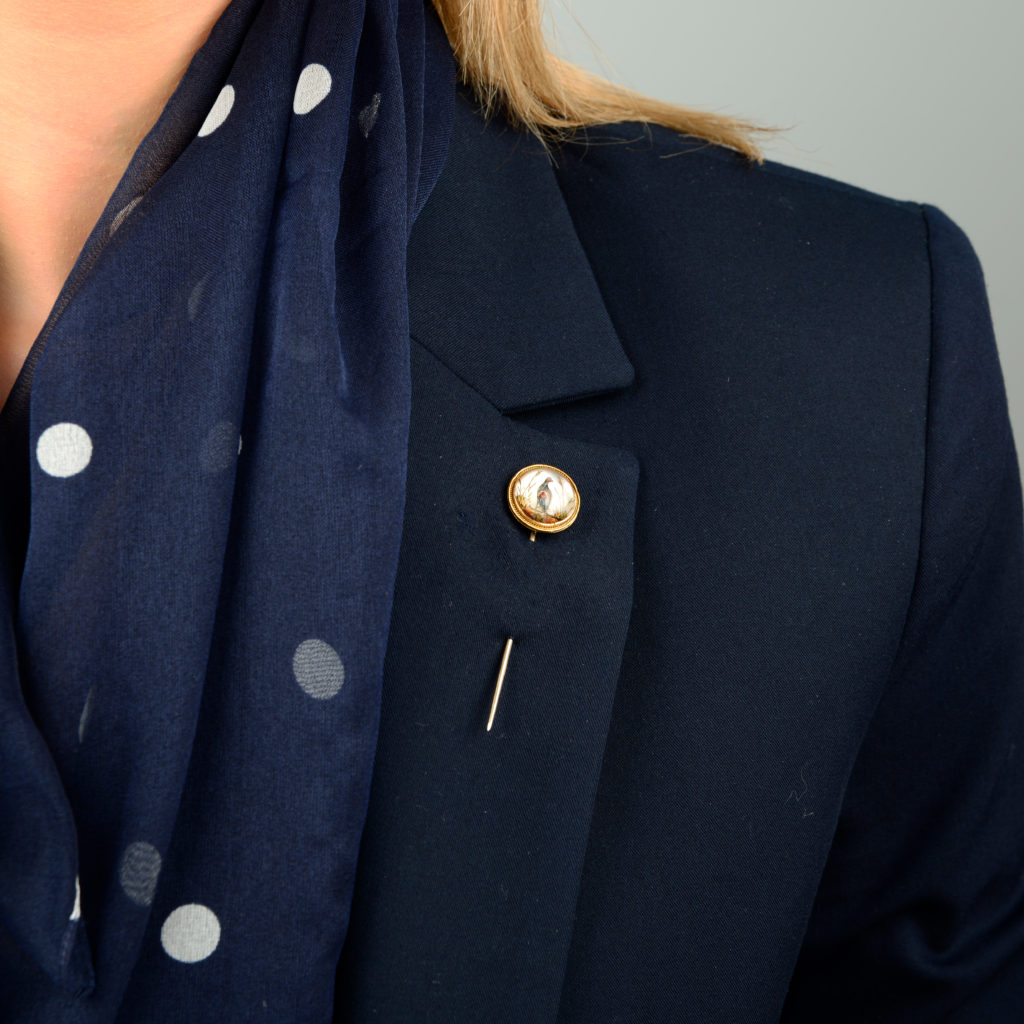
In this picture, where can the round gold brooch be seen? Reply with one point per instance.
(544, 499)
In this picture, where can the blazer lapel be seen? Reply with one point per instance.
(474, 841)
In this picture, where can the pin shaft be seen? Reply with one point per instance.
(501, 679)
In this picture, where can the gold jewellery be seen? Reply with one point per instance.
(545, 500)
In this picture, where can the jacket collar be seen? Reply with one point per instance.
(530, 327)
(474, 842)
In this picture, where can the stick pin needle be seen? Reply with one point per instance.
(501, 679)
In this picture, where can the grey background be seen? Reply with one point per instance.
(916, 99)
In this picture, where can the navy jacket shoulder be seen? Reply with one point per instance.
(756, 756)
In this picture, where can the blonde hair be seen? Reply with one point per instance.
(502, 55)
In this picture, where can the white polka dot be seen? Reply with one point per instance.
(122, 215)
(76, 910)
(219, 111)
(83, 721)
(64, 449)
(302, 348)
(368, 115)
(139, 870)
(195, 297)
(219, 447)
(318, 669)
(313, 86)
(190, 933)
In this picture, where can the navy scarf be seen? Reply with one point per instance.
(190, 684)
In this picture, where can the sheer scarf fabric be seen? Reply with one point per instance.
(190, 682)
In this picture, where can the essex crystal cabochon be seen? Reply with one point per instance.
(543, 498)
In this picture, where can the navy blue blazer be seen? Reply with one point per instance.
(756, 757)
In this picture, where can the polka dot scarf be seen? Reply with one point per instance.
(189, 693)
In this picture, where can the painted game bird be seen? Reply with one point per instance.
(544, 496)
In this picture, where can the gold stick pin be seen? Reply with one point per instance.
(501, 679)
(543, 499)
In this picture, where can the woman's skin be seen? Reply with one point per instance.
(81, 83)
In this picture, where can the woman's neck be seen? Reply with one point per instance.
(88, 78)
(82, 82)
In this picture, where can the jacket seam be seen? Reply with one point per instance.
(953, 589)
(516, 409)
(972, 561)
(916, 585)
(455, 373)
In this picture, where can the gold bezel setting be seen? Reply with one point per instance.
(539, 515)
